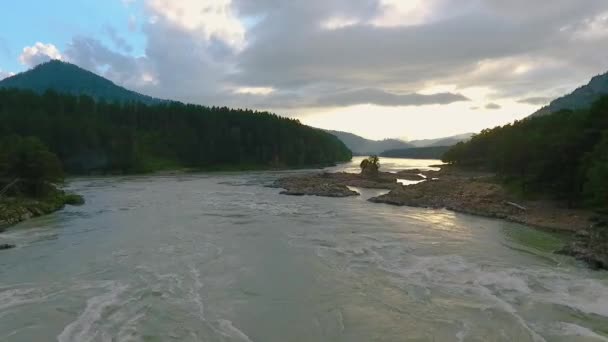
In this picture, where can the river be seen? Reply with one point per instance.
(221, 257)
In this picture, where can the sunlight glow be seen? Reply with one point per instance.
(255, 90)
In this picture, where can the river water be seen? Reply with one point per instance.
(221, 257)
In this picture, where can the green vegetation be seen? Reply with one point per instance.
(27, 167)
(370, 166)
(563, 155)
(28, 174)
(433, 152)
(100, 137)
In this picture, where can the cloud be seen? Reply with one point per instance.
(383, 98)
(493, 106)
(536, 100)
(119, 42)
(214, 19)
(39, 53)
(5, 74)
(91, 54)
(346, 52)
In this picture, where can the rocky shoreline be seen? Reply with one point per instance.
(18, 209)
(475, 193)
(338, 184)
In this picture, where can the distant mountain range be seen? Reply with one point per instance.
(70, 79)
(441, 142)
(429, 152)
(581, 98)
(362, 146)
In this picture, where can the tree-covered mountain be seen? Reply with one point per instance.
(563, 155)
(431, 152)
(581, 98)
(101, 137)
(70, 79)
(361, 146)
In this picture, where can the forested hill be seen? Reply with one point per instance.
(581, 98)
(90, 136)
(68, 78)
(563, 155)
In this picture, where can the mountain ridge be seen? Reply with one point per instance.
(581, 98)
(67, 78)
(363, 146)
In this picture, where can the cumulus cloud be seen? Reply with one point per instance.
(91, 54)
(345, 52)
(119, 42)
(39, 53)
(211, 18)
(493, 106)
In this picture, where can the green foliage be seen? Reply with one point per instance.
(99, 137)
(28, 160)
(596, 187)
(562, 155)
(370, 166)
(73, 199)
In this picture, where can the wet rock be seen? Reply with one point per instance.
(333, 184)
(6, 246)
(479, 194)
(314, 186)
(590, 245)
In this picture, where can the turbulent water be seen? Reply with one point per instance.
(221, 257)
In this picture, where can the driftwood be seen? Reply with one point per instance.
(10, 185)
(520, 207)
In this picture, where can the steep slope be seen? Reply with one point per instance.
(581, 98)
(362, 146)
(70, 79)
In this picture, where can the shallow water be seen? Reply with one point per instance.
(220, 257)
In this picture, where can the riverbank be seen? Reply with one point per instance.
(18, 209)
(474, 193)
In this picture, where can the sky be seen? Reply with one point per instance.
(409, 69)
